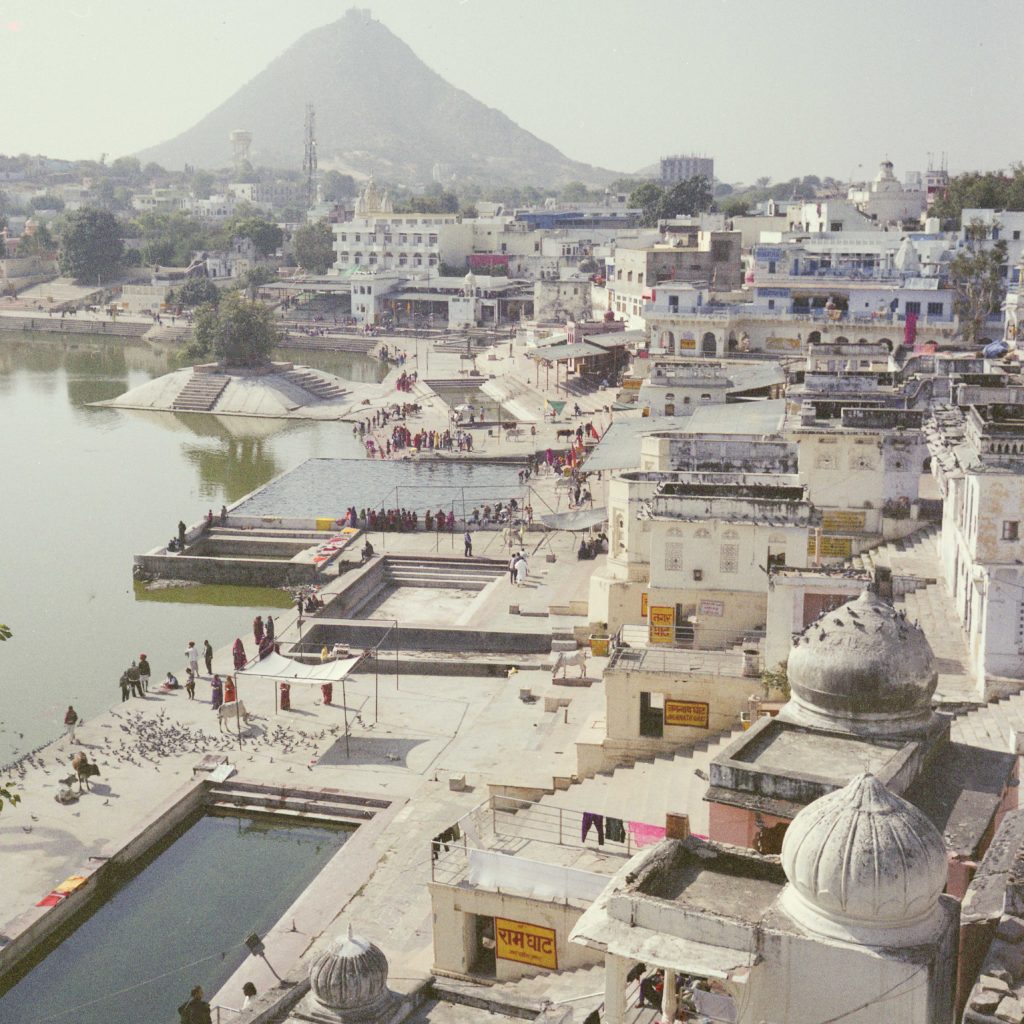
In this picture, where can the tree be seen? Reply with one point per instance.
(90, 245)
(5, 632)
(734, 206)
(314, 247)
(238, 332)
(202, 184)
(38, 242)
(47, 201)
(648, 199)
(251, 280)
(197, 291)
(686, 198)
(265, 235)
(335, 186)
(976, 276)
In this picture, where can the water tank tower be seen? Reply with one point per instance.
(241, 141)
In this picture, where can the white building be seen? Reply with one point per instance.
(886, 201)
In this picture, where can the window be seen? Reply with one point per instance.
(432, 239)
(771, 266)
(935, 309)
(629, 275)
(1011, 529)
(729, 560)
(403, 238)
(640, 278)
(673, 557)
(387, 238)
(912, 308)
(673, 303)
(1016, 236)
(359, 238)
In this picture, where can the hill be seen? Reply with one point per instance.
(379, 109)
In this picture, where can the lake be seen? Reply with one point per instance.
(84, 489)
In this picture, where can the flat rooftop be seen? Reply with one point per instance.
(825, 756)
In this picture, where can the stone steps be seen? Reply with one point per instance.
(314, 384)
(200, 393)
(310, 805)
(646, 790)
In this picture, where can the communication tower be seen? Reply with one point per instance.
(309, 158)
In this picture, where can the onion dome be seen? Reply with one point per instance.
(864, 864)
(350, 979)
(863, 668)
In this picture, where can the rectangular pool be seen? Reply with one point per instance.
(178, 921)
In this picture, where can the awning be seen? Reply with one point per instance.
(580, 519)
(276, 666)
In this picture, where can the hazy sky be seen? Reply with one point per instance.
(776, 87)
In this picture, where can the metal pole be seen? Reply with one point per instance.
(344, 704)
(376, 681)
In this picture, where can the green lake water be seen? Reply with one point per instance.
(180, 922)
(84, 489)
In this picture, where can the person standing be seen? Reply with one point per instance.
(238, 654)
(190, 683)
(270, 628)
(257, 630)
(196, 1010)
(144, 672)
(133, 679)
(216, 692)
(467, 540)
(123, 683)
(521, 569)
(512, 568)
(181, 535)
(208, 657)
(70, 721)
(192, 657)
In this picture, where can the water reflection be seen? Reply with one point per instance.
(232, 467)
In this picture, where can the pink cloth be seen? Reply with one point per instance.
(645, 835)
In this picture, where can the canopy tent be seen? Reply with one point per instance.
(275, 666)
(574, 521)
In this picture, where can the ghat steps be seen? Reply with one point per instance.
(200, 393)
(644, 791)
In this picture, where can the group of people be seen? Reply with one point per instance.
(517, 568)
(263, 636)
(134, 681)
(591, 547)
(405, 380)
(500, 514)
(403, 439)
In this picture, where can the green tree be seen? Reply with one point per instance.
(734, 206)
(195, 292)
(976, 277)
(647, 198)
(265, 235)
(202, 184)
(238, 332)
(91, 245)
(5, 632)
(575, 192)
(40, 241)
(336, 186)
(47, 201)
(686, 198)
(253, 278)
(314, 247)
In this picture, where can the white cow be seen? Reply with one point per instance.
(565, 660)
(232, 712)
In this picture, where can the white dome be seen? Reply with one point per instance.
(863, 863)
(350, 979)
(863, 668)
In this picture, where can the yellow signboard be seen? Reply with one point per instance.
(525, 943)
(781, 344)
(643, 605)
(832, 547)
(694, 714)
(843, 521)
(663, 620)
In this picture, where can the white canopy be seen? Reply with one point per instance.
(276, 666)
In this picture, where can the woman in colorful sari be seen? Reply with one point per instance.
(238, 654)
(216, 692)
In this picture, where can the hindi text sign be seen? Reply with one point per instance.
(525, 943)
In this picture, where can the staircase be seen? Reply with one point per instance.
(931, 607)
(647, 789)
(314, 384)
(991, 725)
(915, 555)
(200, 393)
(309, 806)
(443, 573)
